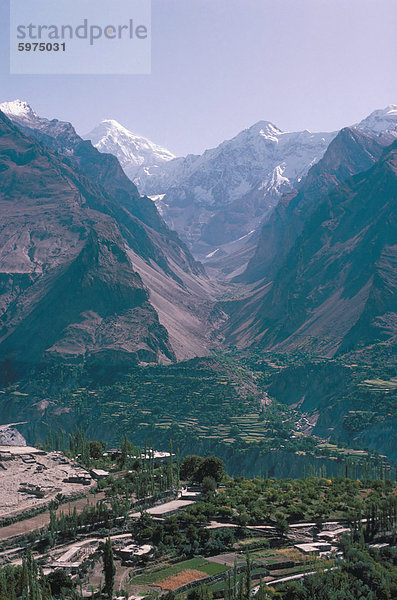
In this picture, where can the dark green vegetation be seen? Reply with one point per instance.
(269, 501)
(109, 569)
(364, 573)
(197, 469)
(204, 405)
(354, 397)
(276, 503)
(183, 544)
(29, 583)
(277, 414)
(184, 536)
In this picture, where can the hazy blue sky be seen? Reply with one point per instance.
(218, 66)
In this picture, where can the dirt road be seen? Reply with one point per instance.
(42, 520)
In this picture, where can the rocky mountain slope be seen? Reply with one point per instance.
(223, 196)
(101, 168)
(294, 290)
(68, 288)
(334, 287)
(10, 436)
(215, 189)
(351, 152)
(74, 235)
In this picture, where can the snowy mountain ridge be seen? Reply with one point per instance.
(22, 113)
(137, 155)
(19, 109)
(380, 121)
(214, 199)
(226, 192)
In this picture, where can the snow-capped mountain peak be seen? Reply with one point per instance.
(136, 153)
(19, 109)
(380, 121)
(114, 123)
(221, 195)
(22, 113)
(266, 129)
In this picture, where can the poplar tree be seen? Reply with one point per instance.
(109, 569)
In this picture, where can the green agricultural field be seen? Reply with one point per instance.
(380, 384)
(213, 400)
(229, 404)
(199, 564)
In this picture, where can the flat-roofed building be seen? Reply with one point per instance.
(314, 547)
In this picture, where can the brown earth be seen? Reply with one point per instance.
(42, 520)
(176, 581)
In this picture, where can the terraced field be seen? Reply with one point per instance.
(174, 576)
(202, 399)
(341, 451)
(249, 428)
(380, 385)
(227, 405)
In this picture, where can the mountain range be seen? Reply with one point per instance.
(324, 271)
(303, 224)
(215, 199)
(218, 201)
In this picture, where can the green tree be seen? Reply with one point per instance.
(212, 466)
(208, 486)
(59, 582)
(128, 449)
(190, 466)
(261, 594)
(248, 574)
(281, 524)
(109, 570)
(96, 449)
(201, 593)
